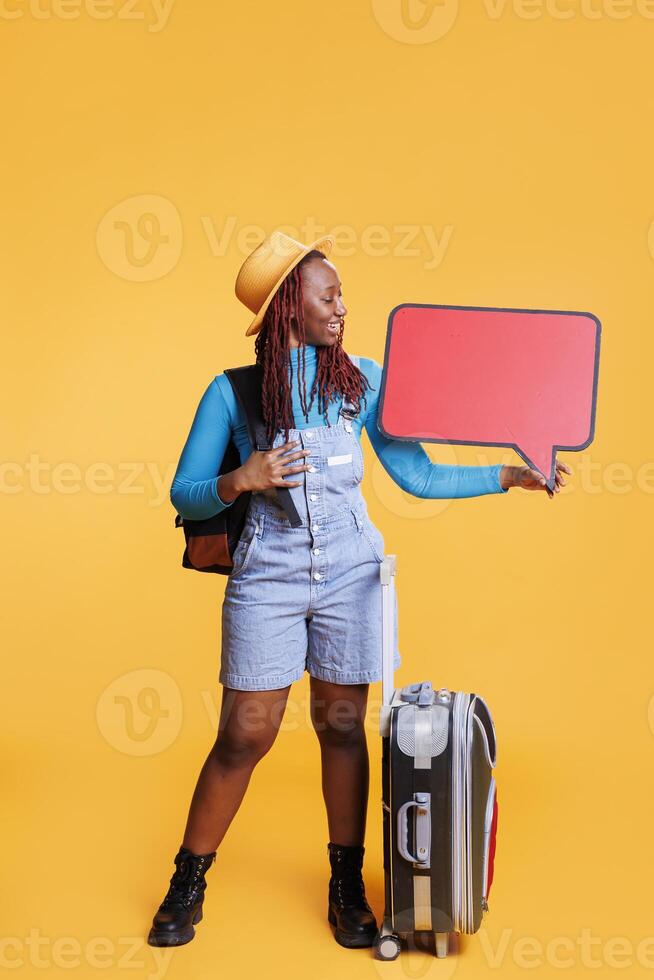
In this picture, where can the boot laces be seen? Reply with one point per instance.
(347, 881)
(349, 889)
(186, 884)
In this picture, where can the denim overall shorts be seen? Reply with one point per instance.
(308, 597)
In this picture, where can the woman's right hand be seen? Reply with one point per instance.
(265, 469)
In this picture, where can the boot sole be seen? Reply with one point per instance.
(348, 939)
(174, 938)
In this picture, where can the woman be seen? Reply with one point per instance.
(303, 597)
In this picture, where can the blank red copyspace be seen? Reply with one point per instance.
(520, 378)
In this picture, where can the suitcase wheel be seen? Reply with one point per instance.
(387, 947)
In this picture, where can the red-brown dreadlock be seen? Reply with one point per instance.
(336, 375)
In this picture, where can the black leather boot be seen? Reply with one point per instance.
(182, 907)
(348, 909)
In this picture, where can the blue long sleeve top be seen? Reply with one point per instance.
(194, 494)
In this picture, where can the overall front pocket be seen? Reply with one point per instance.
(357, 463)
(370, 534)
(375, 540)
(244, 549)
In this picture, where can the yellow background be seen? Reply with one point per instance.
(525, 132)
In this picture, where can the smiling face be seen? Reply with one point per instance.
(323, 304)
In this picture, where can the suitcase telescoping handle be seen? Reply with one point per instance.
(387, 571)
(421, 693)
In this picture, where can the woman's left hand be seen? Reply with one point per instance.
(530, 479)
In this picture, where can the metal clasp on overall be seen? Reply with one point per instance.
(348, 417)
(348, 409)
(348, 412)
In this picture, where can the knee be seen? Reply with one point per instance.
(342, 734)
(240, 750)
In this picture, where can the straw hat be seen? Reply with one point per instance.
(265, 269)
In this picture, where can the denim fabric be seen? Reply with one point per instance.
(308, 597)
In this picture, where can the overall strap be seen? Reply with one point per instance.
(348, 409)
(247, 382)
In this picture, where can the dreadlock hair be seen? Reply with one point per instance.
(336, 375)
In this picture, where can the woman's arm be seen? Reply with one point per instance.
(410, 467)
(194, 492)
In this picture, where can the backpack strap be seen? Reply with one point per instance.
(247, 383)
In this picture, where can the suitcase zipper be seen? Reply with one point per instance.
(488, 821)
(459, 764)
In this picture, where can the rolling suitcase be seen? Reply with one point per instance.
(439, 803)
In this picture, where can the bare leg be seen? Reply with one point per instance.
(338, 716)
(248, 725)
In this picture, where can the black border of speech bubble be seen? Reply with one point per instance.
(550, 479)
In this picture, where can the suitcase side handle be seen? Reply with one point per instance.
(422, 802)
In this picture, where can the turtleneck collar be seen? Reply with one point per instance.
(310, 354)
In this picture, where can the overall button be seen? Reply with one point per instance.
(316, 551)
(315, 527)
(348, 427)
(308, 435)
(313, 496)
(311, 469)
(317, 576)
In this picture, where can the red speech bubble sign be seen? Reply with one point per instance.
(491, 377)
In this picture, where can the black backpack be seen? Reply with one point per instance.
(211, 543)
